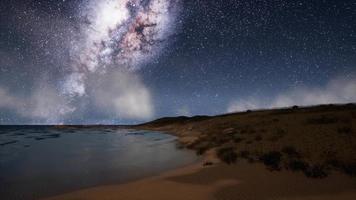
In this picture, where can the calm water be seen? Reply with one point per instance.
(38, 161)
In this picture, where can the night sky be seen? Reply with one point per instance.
(129, 61)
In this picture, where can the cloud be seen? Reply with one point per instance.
(123, 95)
(114, 96)
(242, 105)
(6, 100)
(44, 105)
(184, 111)
(338, 90)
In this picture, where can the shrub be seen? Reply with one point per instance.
(180, 145)
(245, 154)
(227, 155)
(249, 142)
(236, 138)
(278, 134)
(316, 171)
(353, 115)
(290, 151)
(344, 130)
(258, 138)
(202, 147)
(349, 169)
(272, 159)
(208, 163)
(322, 120)
(297, 165)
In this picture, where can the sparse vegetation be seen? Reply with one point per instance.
(237, 137)
(201, 147)
(258, 138)
(290, 151)
(208, 163)
(323, 120)
(244, 154)
(307, 139)
(227, 154)
(278, 134)
(316, 171)
(272, 160)
(179, 145)
(349, 169)
(297, 165)
(344, 130)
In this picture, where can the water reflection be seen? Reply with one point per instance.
(40, 161)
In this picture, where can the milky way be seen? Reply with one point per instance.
(128, 61)
(122, 34)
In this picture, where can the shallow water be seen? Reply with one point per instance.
(39, 161)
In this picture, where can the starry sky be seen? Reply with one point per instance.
(129, 61)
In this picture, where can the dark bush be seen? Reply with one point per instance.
(344, 130)
(208, 163)
(227, 155)
(258, 138)
(221, 139)
(316, 171)
(180, 145)
(322, 120)
(290, 151)
(252, 131)
(202, 147)
(349, 169)
(353, 115)
(278, 134)
(244, 154)
(272, 159)
(297, 165)
(243, 131)
(295, 107)
(249, 142)
(237, 138)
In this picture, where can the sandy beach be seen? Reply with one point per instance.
(243, 181)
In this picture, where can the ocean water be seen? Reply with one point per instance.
(40, 161)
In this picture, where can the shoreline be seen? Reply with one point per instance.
(222, 181)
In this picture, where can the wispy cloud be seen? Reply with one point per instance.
(184, 111)
(116, 95)
(122, 95)
(338, 90)
(44, 105)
